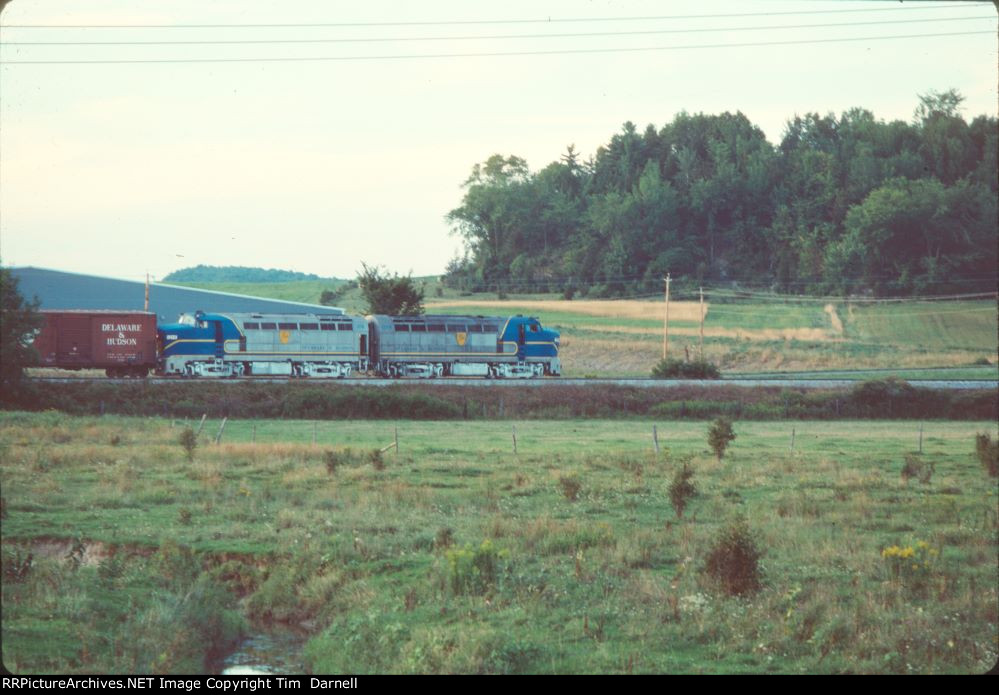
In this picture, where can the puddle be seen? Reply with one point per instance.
(265, 653)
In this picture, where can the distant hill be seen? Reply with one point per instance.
(233, 273)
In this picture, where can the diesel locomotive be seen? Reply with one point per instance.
(334, 345)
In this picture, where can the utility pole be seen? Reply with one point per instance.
(666, 321)
(147, 293)
(700, 349)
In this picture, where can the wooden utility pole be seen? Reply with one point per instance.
(666, 321)
(700, 349)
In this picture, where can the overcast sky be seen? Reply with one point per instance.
(357, 154)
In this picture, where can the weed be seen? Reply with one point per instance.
(115, 440)
(914, 468)
(911, 566)
(720, 435)
(335, 459)
(474, 570)
(988, 453)
(16, 565)
(681, 489)
(189, 441)
(733, 562)
(571, 486)
(184, 516)
(376, 460)
(444, 538)
(110, 570)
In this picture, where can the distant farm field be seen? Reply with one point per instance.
(457, 555)
(625, 338)
(741, 334)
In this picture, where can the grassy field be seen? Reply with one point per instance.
(743, 335)
(456, 555)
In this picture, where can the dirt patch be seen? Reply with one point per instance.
(87, 553)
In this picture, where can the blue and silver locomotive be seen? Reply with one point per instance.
(334, 345)
(315, 345)
(441, 346)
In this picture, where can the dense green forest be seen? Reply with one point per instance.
(234, 273)
(851, 204)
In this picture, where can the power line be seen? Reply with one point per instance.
(480, 22)
(483, 38)
(497, 54)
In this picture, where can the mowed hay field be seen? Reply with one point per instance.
(625, 337)
(455, 555)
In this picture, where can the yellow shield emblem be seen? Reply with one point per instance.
(285, 335)
(460, 337)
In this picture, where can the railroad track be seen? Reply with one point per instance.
(475, 382)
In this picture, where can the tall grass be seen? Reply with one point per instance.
(459, 556)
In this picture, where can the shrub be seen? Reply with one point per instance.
(678, 369)
(733, 561)
(720, 435)
(376, 460)
(988, 453)
(681, 489)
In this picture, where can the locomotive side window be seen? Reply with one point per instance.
(403, 327)
(490, 328)
(436, 328)
(288, 326)
(329, 327)
(309, 326)
(455, 328)
(346, 326)
(266, 326)
(474, 328)
(419, 328)
(534, 328)
(251, 326)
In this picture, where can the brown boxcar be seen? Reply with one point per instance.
(122, 343)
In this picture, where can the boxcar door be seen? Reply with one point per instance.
(74, 341)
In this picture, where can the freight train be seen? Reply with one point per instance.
(333, 345)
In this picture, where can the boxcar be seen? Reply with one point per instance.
(122, 343)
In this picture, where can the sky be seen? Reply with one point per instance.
(144, 137)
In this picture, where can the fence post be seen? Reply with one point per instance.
(792, 439)
(655, 438)
(920, 437)
(218, 437)
(515, 439)
(397, 441)
(201, 426)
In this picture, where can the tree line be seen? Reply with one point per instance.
(236, 273)
(847, 205)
